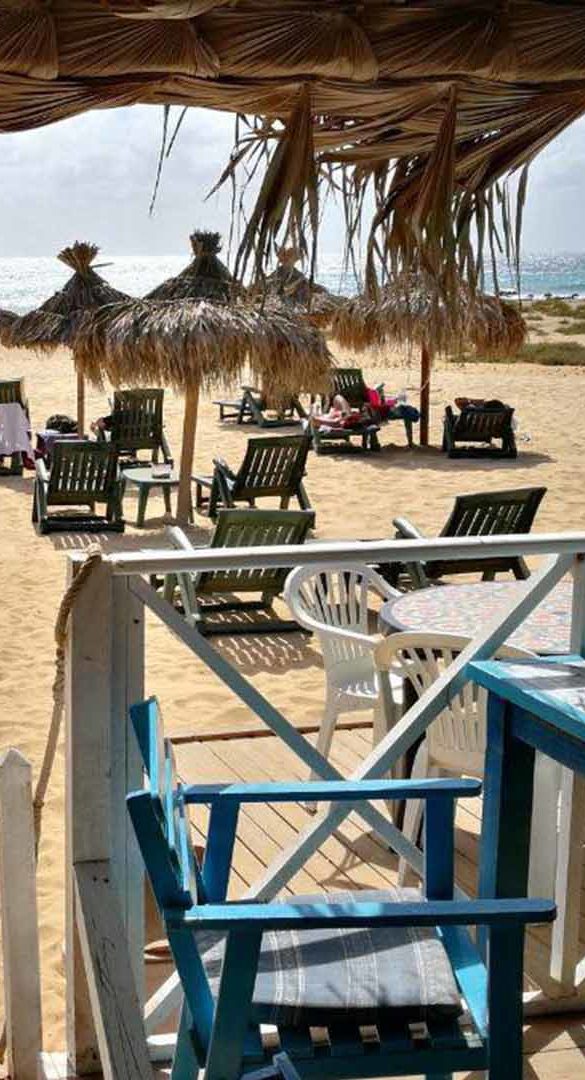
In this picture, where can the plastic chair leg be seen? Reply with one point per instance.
(324, 739)
(414, 807)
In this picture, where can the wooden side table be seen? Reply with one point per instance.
(536, 705)
(145, 480)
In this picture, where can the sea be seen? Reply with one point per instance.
(26, 282)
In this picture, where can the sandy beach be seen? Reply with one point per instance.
(353, 496)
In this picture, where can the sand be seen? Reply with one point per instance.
(354, 497)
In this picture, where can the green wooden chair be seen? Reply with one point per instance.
(272, 467)
(350, 383)
(82, 473)
(471, 433)
(12, 393)
(254, 408)
(488, 513)
(217, 588)
(137, 424)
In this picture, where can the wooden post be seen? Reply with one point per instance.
(187, 452)
(80, 404)
(425, 393)
(87, 778)
(565, 932)
(126, 766)
(20, 932)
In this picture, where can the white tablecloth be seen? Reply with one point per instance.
(14, 430)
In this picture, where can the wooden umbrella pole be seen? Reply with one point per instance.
(425, 393)
(80, 404)
(187, 451)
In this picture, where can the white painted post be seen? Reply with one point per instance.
(126, 766)
(87, 779)
(565, 935)
(20, 931)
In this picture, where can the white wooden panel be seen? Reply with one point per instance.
(115, 1005)
(20, 934)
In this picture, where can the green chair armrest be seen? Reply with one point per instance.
(405, 530)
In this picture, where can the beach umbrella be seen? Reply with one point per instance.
(205, 278)
(198, 344)
(53, 324)
(413, 310)
(292, 289)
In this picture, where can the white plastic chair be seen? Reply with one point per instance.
(455, 741)
(334, 602)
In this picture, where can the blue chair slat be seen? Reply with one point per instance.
(220, 1028)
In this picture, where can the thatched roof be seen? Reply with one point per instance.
(433, 100)
(296, 293)
(205, 278)
(7, 319)
(413, 311)
(186, 343)
(54, 322)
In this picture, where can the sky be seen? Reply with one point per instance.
(92, 177)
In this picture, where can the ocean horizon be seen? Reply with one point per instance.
(26, 281)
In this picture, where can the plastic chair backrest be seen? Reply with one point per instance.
(325, 598)
(421, 658)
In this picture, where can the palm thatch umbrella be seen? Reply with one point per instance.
(289, 287)
(205, 278)
(195, 344)
(7, 319)
(413, 310)
(54, 323)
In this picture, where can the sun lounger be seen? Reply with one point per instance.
(214, 592)
(471, 433)
(82, 473)
(137, 424)
(272, 467)
(489, 513)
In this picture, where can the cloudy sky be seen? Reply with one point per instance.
(91, 178)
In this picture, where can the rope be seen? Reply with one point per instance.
(94, 558)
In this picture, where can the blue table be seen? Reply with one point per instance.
(536, 705)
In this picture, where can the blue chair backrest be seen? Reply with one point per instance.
(160, 816)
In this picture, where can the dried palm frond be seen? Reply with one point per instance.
(413, 311)
(54, 322)
(205, 278)
(427, 104)
(198, 342)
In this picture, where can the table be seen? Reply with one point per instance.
(464, 609)
(536, 705)
(145, 479)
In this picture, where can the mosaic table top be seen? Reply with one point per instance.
(465, 609)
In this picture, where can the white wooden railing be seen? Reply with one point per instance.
(106, 673)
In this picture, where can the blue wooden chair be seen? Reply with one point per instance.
(381, 975)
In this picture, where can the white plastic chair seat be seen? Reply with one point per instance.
(358, 679)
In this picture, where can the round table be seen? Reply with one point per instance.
(145, 479)
(465, 609)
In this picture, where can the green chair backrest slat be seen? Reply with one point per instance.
(492, 513)
(350, 383)
(491, 423)
(137, 419)
(249, 528)
(272, 466)
(82, 471)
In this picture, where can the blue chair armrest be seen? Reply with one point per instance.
(331, 791)
(262, 917)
